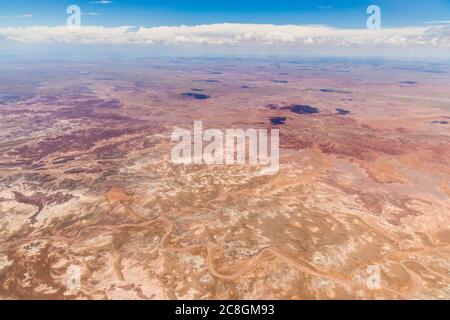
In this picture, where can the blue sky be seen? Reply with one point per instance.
(300, 27)
(345, 14)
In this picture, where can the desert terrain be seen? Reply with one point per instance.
(86, 180)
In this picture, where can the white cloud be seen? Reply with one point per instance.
(438, 22)
(101, 2)
(93, 14)
(27, 15)
(234, 34)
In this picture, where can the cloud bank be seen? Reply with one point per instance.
(234, 34)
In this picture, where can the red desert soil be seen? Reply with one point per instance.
(86, 181)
